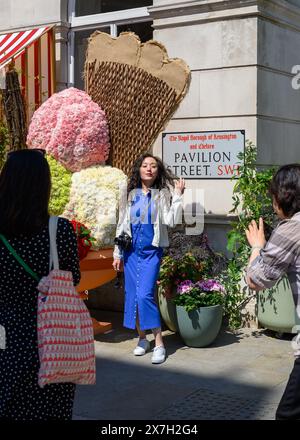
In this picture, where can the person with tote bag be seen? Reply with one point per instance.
(25, 184)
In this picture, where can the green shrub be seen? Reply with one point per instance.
(61, 185)
(251, 200)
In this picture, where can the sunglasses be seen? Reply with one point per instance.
(38, 150)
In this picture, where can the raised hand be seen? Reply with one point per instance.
(180, 186)
(255, 235)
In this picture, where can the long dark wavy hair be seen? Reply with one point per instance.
(164, 179)
(25, 185)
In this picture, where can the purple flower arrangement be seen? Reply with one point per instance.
(210, 286)
(203, 293)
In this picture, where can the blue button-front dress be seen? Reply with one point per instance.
(141, 266)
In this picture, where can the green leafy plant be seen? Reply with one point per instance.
(251, 200)
(167, 274)
(174, 271)
(84, 238)
(189, 257)
(60, 187)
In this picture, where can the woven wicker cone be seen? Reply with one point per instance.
(137, 105)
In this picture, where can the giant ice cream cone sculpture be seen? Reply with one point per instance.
(139, 88)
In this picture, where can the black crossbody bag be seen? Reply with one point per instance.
(124, 241)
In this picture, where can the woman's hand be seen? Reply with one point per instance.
(179, 186)
(117, 264)
(255, 235)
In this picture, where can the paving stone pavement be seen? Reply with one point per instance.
(241, 376)
(204, 404)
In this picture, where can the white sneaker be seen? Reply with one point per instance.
(159, 355)
(142, 347)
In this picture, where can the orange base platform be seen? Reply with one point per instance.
(96, 269)
(101, 327)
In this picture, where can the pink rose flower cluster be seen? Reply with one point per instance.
(72, 128)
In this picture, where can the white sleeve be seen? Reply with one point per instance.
(118, 253)
(171, 213)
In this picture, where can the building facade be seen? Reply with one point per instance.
(242, 55)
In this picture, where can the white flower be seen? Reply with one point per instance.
(94, 200)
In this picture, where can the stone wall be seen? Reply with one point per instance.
(19, 14)
(240, 55)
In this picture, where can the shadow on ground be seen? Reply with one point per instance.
(190, 385)
(120, 333)
(132, 391)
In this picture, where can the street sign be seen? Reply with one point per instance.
(204, 154)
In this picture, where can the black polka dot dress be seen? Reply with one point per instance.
(20, 396)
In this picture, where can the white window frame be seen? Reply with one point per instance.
(111, 19)
(127, 15)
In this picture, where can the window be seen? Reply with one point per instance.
(110, 16)
(143, 30)
(89, 7)
(81, 41)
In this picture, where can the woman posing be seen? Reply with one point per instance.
(145, 220)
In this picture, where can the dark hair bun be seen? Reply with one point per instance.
(285, 188)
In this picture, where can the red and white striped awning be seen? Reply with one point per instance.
(12, 45)
(33, 54)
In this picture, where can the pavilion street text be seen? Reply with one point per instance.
(198, 163)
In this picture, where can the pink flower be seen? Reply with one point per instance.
(210, 286)
(72, 128)
(185, 287)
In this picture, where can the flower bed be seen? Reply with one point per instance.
(188, 258)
